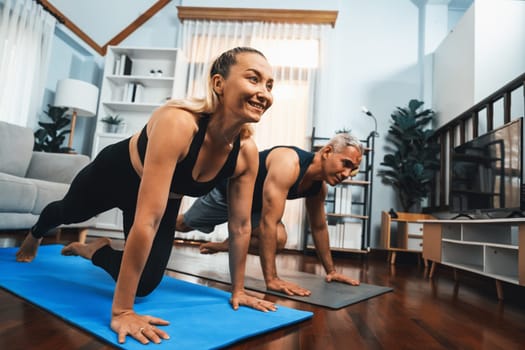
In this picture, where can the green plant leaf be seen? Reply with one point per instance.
(50, 136)
(410, 161)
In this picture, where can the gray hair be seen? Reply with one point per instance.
(342, 140)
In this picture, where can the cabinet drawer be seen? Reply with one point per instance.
(415, 229)
(415, 244)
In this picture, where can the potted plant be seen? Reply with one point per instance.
(411, 159)
(112, 123)
(51, 135)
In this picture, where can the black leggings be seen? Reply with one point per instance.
(111, 182)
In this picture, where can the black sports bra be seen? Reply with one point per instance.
(182, 181)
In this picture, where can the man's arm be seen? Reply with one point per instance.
(283, 168)
(317, 216)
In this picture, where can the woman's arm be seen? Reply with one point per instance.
(168, 138)
(240, 193)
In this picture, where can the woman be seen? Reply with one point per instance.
(185, 149)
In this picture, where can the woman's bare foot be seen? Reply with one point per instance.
(28, 248)
(85, 250)
(214, 247)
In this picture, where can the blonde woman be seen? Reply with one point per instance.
(186, 148)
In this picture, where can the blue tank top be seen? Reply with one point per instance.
(305, 159)
(182, 181)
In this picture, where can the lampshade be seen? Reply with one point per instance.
(78, 96)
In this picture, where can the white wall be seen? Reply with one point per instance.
(453, 87)
(375, 63)
(161, 30)
(500, 44)
(484, 52)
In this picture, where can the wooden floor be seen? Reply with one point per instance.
(420, 313)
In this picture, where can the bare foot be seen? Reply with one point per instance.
(213, 247)
(85, 250)
(28, 249)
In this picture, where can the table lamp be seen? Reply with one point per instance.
(80, 97)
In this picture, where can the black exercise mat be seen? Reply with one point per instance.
(333, 295)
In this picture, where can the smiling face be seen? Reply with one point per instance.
(337, 166)
(246, 91)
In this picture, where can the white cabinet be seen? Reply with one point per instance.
(136, 81)
(493, 248)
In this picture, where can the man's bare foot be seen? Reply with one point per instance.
(85, 250)
(28, 248)
(214, 247)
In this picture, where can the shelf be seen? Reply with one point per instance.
(147, 81)
(356, 182)
(353, 216)
(132, 106)
(115, 98)
(466, 267)
(147, 53)
(489, 247)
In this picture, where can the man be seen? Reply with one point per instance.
(285, 172)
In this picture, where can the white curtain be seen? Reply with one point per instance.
(26, 32)
(294, 52)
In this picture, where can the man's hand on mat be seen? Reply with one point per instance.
(139, 327)
(337, 277)
(242, 298)
(288, 288)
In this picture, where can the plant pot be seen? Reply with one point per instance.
(111, 128)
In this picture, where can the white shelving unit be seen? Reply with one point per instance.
(159, 73)
(494, 248)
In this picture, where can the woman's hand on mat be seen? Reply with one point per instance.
(243, 298)
(337, 277)
(288, 288)
(139, 327)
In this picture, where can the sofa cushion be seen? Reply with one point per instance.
(18, 195)
(16, 148)
(47, 192)
(17, 221)
(56, 167)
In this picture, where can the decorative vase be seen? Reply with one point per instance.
(111, 128)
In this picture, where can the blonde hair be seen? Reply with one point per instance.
(208, 104)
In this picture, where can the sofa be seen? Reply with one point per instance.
(30, 180)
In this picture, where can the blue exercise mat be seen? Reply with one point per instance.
(73, 289)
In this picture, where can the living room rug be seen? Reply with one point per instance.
(333, 295)
(73, 289)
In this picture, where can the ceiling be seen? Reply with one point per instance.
(101, 22)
